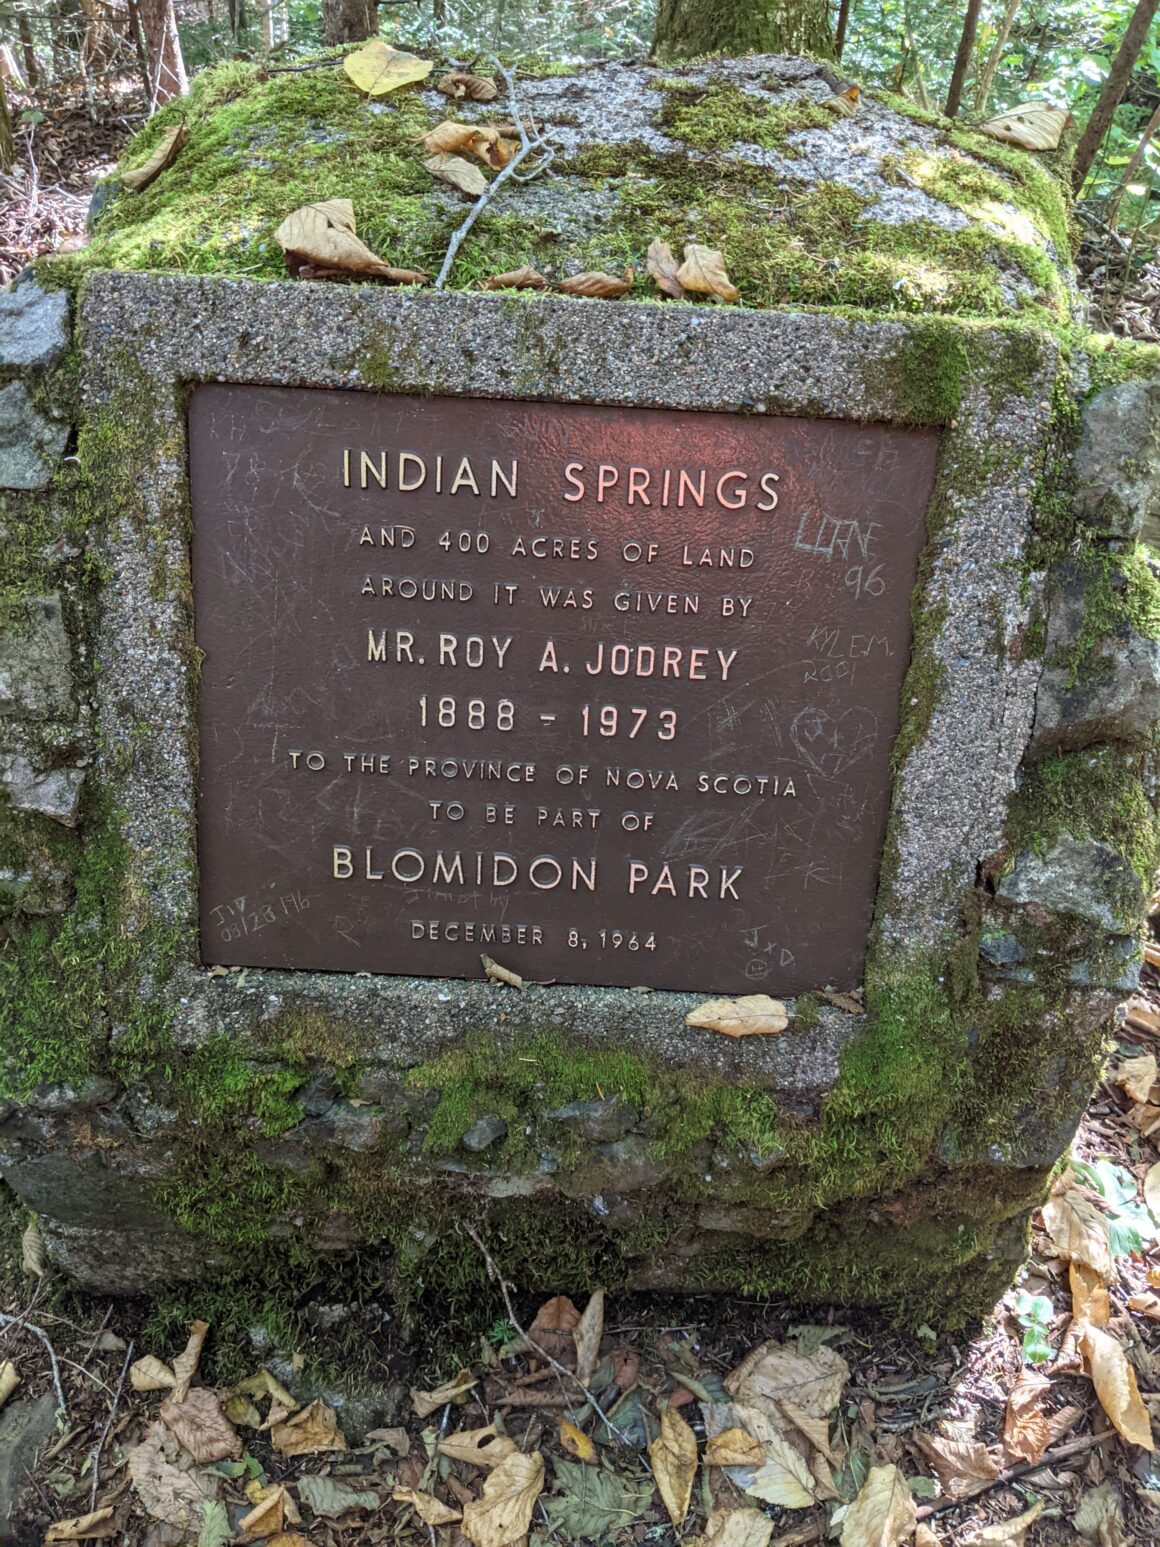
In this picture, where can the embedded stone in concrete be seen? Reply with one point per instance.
(1117, 464)
(34, 328)
(601, 1121)
(484, 1132)
(55, 793)
(36, 661)
(30, 445)
(1078, 876)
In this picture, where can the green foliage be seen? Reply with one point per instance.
(719, 115)
(1034, 1314)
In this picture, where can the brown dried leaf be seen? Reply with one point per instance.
(753, 1015)
(777, 1372)
(319, 239)
(1079, 1230)
(468, 88)
(595, 284)
(735, 1528)
(163, 1489)
(704, 271)
(1005, 1533)
(1147, 1304)
(81, 1527)
(1089, 1295)
(268, 1516)
(960, 1465)
(202, 1427)
(663, 267)
(498, 973)
(517, 279)
(734, 1447)
(1026, 1430)
(1100, 1516)
(459, 173)
(816, 1430)
(164, 156)
(427, 1402)
(430, 1510)
(883, 1514)
(674, 1462)
(263, 1384)
(1137, 1076)
(1152, 1190)
(843, 103)
(377, 68)
(576, 1442)
(150, 1374)
(1115, 1383)
(309, 1432)
(33, 1261)
(504, 1513)
(185, 1365)
(478, 1447)
(554, 1328)
(1031, 125)
(588, 1332)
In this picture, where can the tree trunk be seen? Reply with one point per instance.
(7, 139)
(962, 59)
(843, 22)
(686, 28)
(167, 77)
(349, 21)
(1112, 94)
(1133, 166)
(31, 72)
(995, 57)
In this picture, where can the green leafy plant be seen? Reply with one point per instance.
(1034, 1313)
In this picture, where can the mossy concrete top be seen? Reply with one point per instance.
(884, 209)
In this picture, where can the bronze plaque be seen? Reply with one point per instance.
(606, 694)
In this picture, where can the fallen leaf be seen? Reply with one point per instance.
(1031, 125)
(9, 1380)
(320, 239)
(478, 1447)
(430, 1510)
(883, 1514)
(843, 103)
(587, 1334)
(468, 88)
(776, 1372)
(165, 155)
(201, 1426)
(750, 1016)
(1152, 1190)
(554, 1328)
(816, 1430)
(81, 1527)
(163, 1489)
(960, 1465)
(1089, 1295)
(924, 1536)
(185, 1365)
(592, 1503)
(1026, 1430)
(735, 1528)
(481, 140)
(734, 1447)
(500, 974)
(1147, 1304)
(504, 1513)
(663, 267)
(1100, 1516)
(674, 1462)
(284, 1539)
(269, 1516)
(783, 1477)
(308, 1432)
(595, 284)
(576, 1442)
(378, 68)
(151, 1374)
(331, 1497)
(1079, 1230)
(459, 173)
(398, 1440)
(1115, 1383)
(215, 1529)
(33, 1261)
(427, 1402)
(263, 1384)
(1137, 1076)
(1005, 1533)
(518, 279)
(240, 1410)
(704, 271)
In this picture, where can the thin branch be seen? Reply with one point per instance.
(6, 1320)
(529, 145)
(100, 1445)
(1024, 1469)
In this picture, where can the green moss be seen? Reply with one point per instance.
(720, 114)
(1120, 592)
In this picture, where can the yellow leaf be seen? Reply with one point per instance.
(674, 1462)
(165, 155)
(1152, 1190)
(32, 1257)
(150, 1374)
(735, 1528)
(378, 68)
(263, 1384)
(9, 1380)
(576, 1442)
(663, 267)
(478, 1447)
(1115, 1383)
(1137, 1076)
(588, 1334)
(752, 1015)
(459, 173)
(430, 1510)
(504, 1513)
(468, 88)
(427, 1402)
(734, 1447)
(1089, 1295)
(883, 1514)
(783, 1477)
(843, 103)
(268, 1516)
(1005, 1533)
(704, 270)
(517, 279)
(1079, 1230)
(308, 1432)
(601, 286)
(322, 237)
(1031, 125)
(81, 1527)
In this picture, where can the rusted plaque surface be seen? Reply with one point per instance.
(608, 695)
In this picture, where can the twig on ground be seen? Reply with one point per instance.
(533, 144)
(6, 1320)
(562, 1370)
(100, 1445)
(1024, 1469)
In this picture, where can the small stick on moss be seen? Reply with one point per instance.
(560, 1369)
(533, 144)
(19, 1321)
(95, 1453)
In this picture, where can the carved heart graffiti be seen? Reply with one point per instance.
(832, 745)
